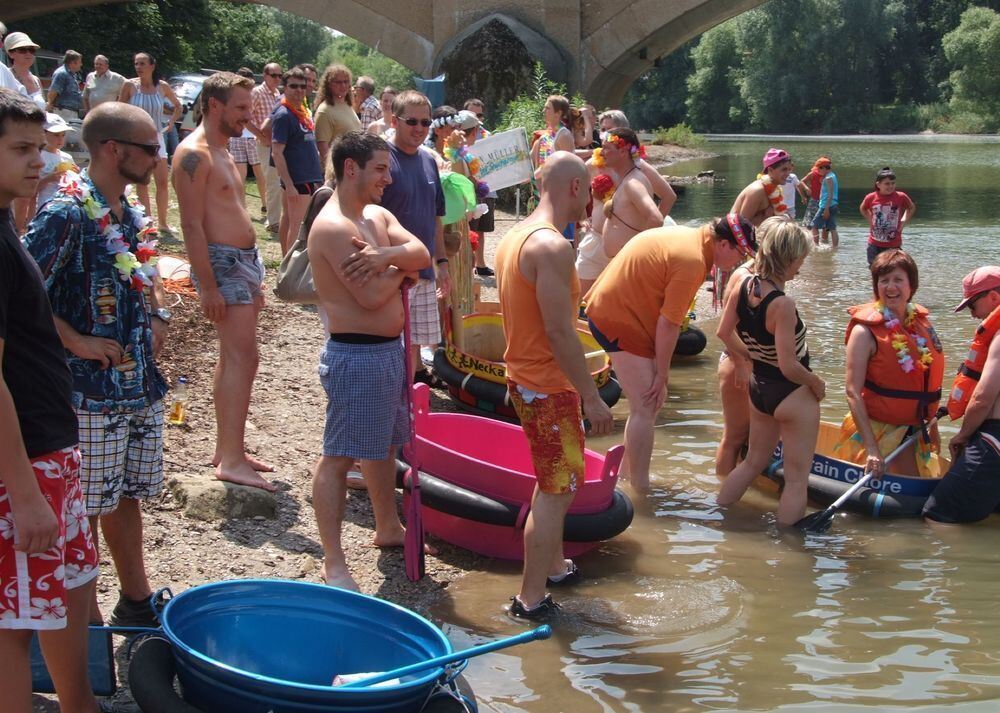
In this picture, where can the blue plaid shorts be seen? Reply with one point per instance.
(366, 411)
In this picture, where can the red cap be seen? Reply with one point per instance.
(978, 281)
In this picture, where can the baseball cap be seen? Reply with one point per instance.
(17, 40)
(774, 156)
(55, 123)
(467, 120)
(978, 281)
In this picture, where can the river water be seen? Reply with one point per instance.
(696, 609)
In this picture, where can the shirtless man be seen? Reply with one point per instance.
(755, 201)
(970, 490)
(225, 265)
(631, 209)
(360, 256)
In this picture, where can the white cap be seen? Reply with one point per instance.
(55, 124)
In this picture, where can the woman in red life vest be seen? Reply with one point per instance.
(894, 370)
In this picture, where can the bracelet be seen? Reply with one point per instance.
(441, 261)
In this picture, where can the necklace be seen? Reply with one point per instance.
(775, 194)
(901, 336)
(135, 268)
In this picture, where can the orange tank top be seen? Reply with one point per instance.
(530, 360)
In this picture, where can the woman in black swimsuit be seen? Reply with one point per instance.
(761, 326)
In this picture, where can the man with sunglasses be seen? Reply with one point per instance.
(416, 198)
(263, 99)
(90, 243)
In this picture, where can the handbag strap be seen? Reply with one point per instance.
(319, 199)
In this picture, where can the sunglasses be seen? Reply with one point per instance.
(150, 149)
(295, 86)
(827, 168)
(480, 116)
(274, 74)
(413, 122)
(974, 300)
(26, 50)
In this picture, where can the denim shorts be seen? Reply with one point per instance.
(238, 272)
(821, 223)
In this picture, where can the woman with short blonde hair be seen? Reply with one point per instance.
(761, 327)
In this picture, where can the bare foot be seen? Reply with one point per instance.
(398, 541)
(255, 463)
(341, 579)
(243, 474)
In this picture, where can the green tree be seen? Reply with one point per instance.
(659, 97)
(361, 59)
(301, 40)
(714, 102)
(973, 50)
(251, 38)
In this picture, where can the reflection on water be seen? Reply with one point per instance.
(695, 609)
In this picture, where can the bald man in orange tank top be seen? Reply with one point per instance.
(547, 373)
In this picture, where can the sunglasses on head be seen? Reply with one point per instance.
(150, 149)
(295, 86)
(413, 122)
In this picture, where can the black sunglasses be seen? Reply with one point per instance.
(274, 74)
(27, 50)
(414, 122)
(150, 149)
(295, 86)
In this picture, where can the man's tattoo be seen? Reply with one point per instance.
(190, 163)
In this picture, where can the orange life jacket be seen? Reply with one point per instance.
(971, 369)
(890, 394)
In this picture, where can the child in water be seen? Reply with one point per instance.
(888, 211)
(826, 210)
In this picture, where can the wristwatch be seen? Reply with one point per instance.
(163, 314)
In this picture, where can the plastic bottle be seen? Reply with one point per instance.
(178, 406)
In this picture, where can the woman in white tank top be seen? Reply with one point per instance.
(147, 91)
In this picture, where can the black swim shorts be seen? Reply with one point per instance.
(970, 490)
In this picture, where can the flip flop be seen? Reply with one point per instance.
(356, 481)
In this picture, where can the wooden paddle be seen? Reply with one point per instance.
(820, 521)
(413, 545)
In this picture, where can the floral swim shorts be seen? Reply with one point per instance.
(553, 424)
(33, 587)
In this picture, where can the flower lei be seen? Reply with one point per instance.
(900, 336)
(136, 269)
(636, 152)
(460, 153)
(774, 193)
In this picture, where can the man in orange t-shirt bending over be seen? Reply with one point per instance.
(636, 308)
(547, 374)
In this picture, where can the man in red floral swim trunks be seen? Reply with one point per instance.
(547, 372)
(48, 564)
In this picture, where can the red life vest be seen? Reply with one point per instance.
(890, 394)
(971, 369)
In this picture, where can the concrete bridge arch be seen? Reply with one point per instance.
(597, 47)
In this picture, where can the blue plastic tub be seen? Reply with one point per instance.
(259, 645)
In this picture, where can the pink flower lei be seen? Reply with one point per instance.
(136, 269)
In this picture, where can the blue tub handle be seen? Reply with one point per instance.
(159, 600)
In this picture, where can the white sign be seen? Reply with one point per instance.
(504, 158)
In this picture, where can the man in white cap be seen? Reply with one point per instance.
(970, 490)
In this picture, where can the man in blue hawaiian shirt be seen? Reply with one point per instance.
(91, 246)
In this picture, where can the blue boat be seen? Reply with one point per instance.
(892, 495)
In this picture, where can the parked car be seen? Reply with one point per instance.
(188, 90)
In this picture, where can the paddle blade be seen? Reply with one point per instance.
(817, 522)
(413, 545)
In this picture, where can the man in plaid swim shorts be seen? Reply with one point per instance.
(48, 564)
(111, 331)
(547, 375)
(360, 256)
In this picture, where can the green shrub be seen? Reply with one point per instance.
(679, 135)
